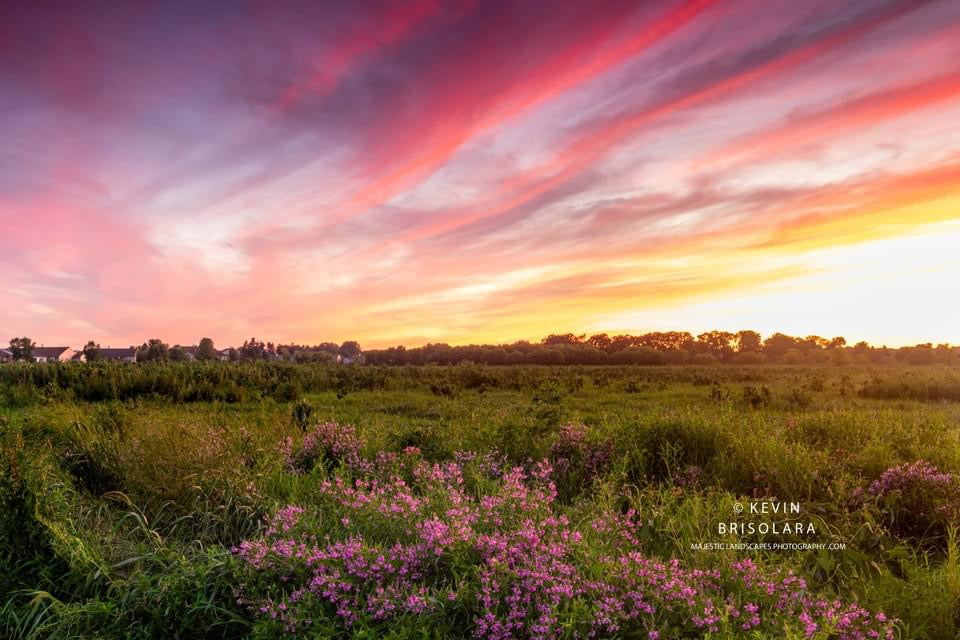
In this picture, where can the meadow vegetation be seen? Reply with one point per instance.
(271, 499)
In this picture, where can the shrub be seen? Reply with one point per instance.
(428, 441)
(576, 460)
(749, 358)
(917, 500)
(668, 449)
(329, 444)
(302, 414)
(755, 397)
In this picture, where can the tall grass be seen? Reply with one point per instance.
(118, 509)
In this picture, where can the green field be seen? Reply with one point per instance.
(134, 500)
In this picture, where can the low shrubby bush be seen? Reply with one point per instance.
(430, 441)
(667, 450)
(916, 500)
(939, 385)
(328, 444)
(577, 460)
(302, 414)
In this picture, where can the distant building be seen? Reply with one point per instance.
(125, 354)
(52, 354)
(5, 355)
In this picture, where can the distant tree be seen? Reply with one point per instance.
(620, 342)
(154, 349)
(663, 340)
(253, 349)
(91, 351)
(704, 359)
(638, 355)
(566, 338)
(813, 343)
(839, 357)
(351, 349)
(837, 343)
(792, 356)
(920, 354)
(749, 357)
(178, 354)
(748, 341)
(600, 341)
(945, 354)
(22, 348)
(777, 345)
(329, 347)
(550, 354)
(716, 343)
(206, 350)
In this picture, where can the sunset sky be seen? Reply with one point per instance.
(478, 171)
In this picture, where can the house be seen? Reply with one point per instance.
(223, 355)
(123, 354)
(5, 355)
(52, 354)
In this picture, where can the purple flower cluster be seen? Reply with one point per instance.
(576, 460)
(472, 541)
(918, 500)
(908, 477)
(328, 443)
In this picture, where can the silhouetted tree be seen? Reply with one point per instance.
(91, 351)
(813, 343)
(22, 348)
(253, 349)
(206, 350)
(719, 344)
(777, 345)
(350, 349)
(748, 341)
(621, 342)
(566, 338)
(837, 343)
(600, 341)
(154, 349)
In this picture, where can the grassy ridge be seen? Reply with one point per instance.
(119, 510)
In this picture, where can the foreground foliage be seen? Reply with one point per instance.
(547, 503)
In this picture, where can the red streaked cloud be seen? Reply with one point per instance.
(474, 171)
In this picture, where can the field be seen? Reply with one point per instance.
(269, 500)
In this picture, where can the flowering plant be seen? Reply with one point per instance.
(917, 500)
(493, 551)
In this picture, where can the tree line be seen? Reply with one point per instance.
(654, 348)
(669, 348)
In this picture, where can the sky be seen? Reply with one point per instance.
(478, 171)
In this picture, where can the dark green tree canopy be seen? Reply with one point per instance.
(22, 348)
